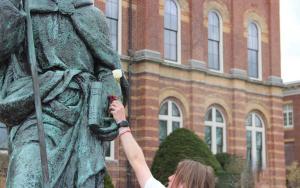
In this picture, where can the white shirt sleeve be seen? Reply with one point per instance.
(153, 183)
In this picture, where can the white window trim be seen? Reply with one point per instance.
(178, 35)
(253, 130)
(259, 51)
(214, 125)
(221, 55)
(112, 151)
(287, 112)
(169, 118)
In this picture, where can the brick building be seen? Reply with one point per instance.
(212, 66)
(291, 112)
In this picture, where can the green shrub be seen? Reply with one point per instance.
(233, 166)
(107, 181)
(179, 145)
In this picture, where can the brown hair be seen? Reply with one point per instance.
(192, 174)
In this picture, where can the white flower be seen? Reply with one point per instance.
(117, 73)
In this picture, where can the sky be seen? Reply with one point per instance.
(290, 40)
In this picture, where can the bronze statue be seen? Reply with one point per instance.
(75, 60)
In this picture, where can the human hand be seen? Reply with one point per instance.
(116, 108)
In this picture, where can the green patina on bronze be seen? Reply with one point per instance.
(73, 50)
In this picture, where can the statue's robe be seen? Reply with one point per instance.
(72, 48)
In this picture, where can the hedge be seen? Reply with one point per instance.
(179, 145)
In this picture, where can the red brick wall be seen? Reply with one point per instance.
(291, 135)
(149, 87)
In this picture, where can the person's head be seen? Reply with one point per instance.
(191, 174)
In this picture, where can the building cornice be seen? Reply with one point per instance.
(199, 66)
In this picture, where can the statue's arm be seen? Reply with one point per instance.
(12, 27)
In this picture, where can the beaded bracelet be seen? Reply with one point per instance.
(123, 132)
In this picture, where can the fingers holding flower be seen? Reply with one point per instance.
(117, 109)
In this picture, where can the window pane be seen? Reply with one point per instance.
(162, 130)
(164, 109)
(249, 121)
(108, 151)
(285, 119)
(258, 122)
(3, 137)
(112, 15)
(208, 116)
(213, 26)
(253, 63)
(219, 117)
(111, 9)
(259, 150)
(249, 148)
(175, 125)
(175, 111)
(252, 36)
(170, 40)
(208, 136)
(290, 118)
(170, 17)
(219, 140)
(213, 55)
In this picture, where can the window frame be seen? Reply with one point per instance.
(259, 55)
(287, 111)
(112, 151)
(253, 129)
(221, 50)
(119, 26)
(169, 118)
(214, 125)
(178, 33)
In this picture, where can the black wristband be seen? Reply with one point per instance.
(123, 123)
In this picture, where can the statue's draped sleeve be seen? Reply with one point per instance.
(12, 28)
(95, 34)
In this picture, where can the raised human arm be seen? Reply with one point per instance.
(12, 27)
(131, 148)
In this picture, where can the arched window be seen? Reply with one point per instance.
(113, 15)
(253, 51)
(171, 30)
(214, 41)
(256, 155)
(215, 130)
(170, 119)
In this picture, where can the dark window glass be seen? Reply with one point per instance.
(209, 115)
(253, 50)
(213, 41)
(208, 136)
(175, 125)
(164, 109)
(249, 148)
(259, 147)
(112, 16)
(175, 111)
(163, 132)
(107, 153)
(285, 119)
(290, 118)
(219, 140)
(170, 30)
(290, 151)
(3, 137)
